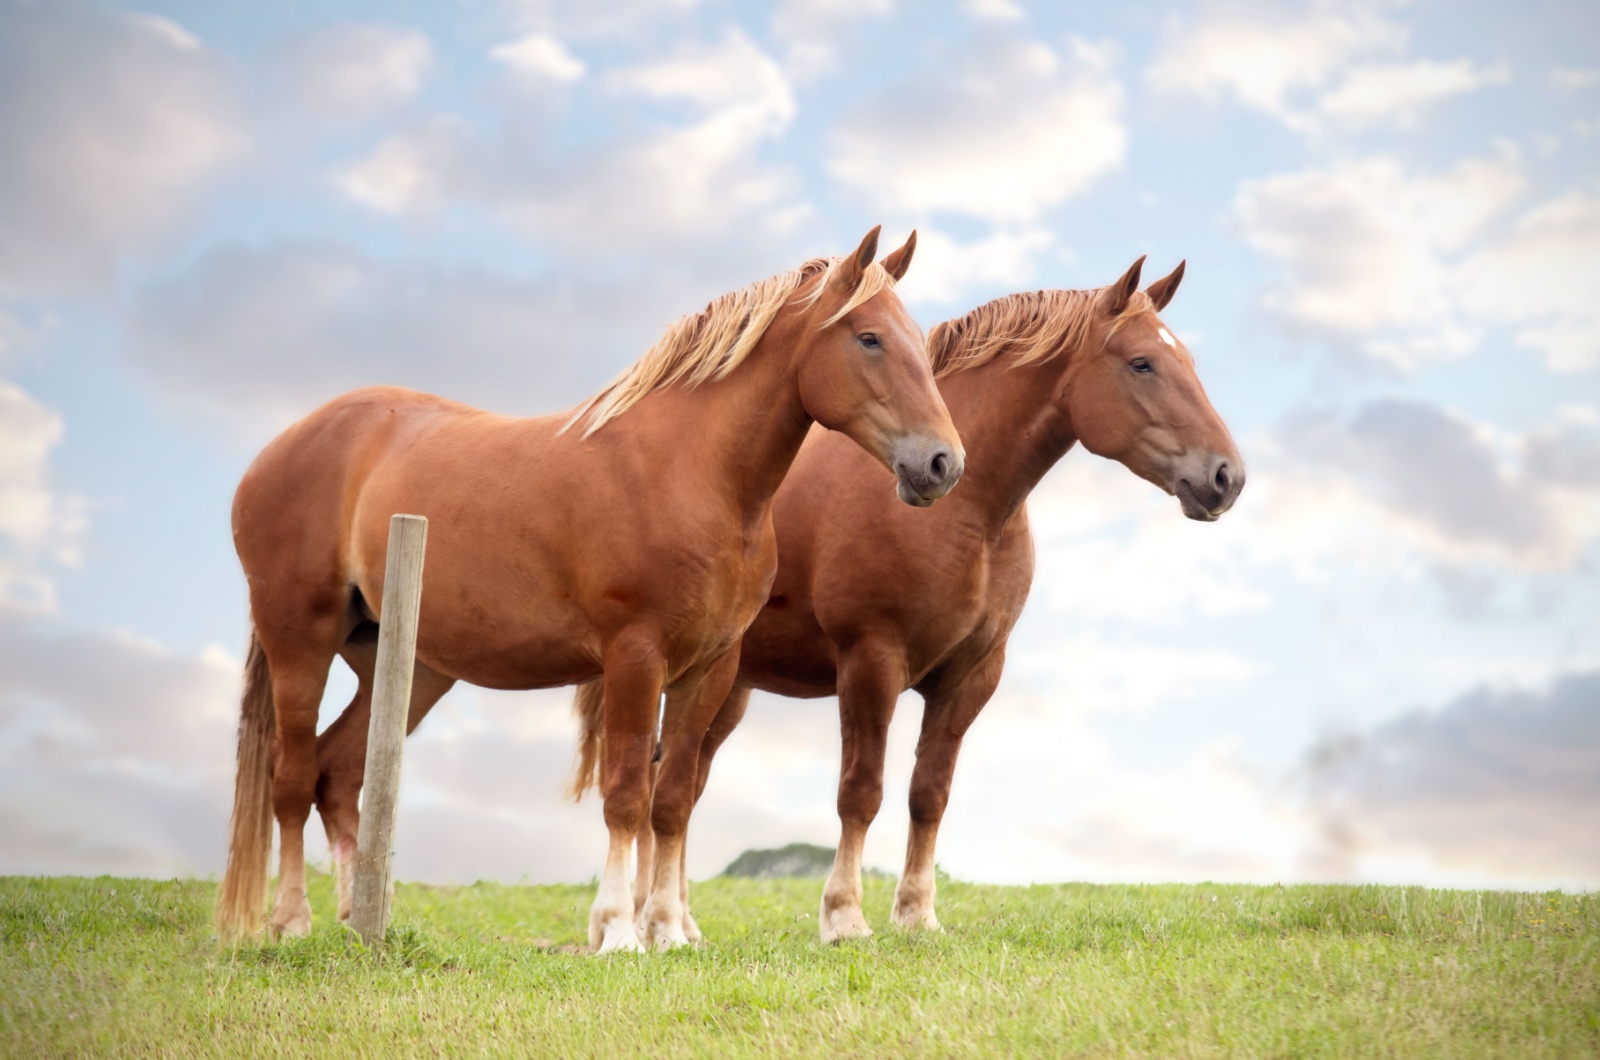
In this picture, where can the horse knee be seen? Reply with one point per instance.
(860, 796)
(928, 801)
(627, 799)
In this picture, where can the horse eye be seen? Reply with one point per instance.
(1139, 364)
(869, 340)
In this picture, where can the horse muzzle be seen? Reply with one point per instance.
(925, 469)
(1210, 490)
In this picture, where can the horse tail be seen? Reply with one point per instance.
(241, 900)
(588, 705)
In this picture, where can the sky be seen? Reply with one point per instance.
(1382, 665)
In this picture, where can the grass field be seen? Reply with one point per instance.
(129, 967)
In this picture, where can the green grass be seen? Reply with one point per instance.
(129, 967)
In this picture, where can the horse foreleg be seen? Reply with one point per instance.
(688, 716)
(341, 762)
(634, 670)
(946, 716)
(871, 676)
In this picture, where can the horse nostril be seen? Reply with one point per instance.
(939, 465)
(1222, 479)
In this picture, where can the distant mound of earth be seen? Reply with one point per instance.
(796, 859)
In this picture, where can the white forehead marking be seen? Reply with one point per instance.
(1166, 337)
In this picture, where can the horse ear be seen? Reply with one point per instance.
(847, 277)
(899, 261)
(1117, 295)
(1162, 290)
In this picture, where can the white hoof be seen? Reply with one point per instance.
(294, 925)
(915, 918)
(620, 939)
(664, 926)
(669, 939)
(611, 928)
(844, 922)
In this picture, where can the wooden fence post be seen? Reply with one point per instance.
(391, 701)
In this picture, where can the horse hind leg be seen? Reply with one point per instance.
(299, 671)
(341, 763)
(690, 712)
(945, 719)
(342, 752)
(644, 845)
(722, 726)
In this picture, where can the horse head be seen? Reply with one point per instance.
(1135, 398)
(863, 370)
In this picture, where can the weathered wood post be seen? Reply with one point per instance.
(391, 701)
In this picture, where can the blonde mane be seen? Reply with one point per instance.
(713, 342)
(1034, 326)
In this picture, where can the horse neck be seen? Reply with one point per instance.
(739, 433)
(1014, 431)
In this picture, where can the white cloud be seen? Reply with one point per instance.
(1396, 93)
(1395, 490)
(36, 522)
(1498, 782)
(106, 168)
(1444, 486)
(695, 183)
(1364, 248)
(1541, 279)
(944, 268)
(1002, 10)
(1313, 68)
(1572, 78)
(639, 20)
(813, 31)
(539, 57)
(412, 173)
(1003, 133)
(1112, 547)
(1086, 673)
(1211, 818)
(734, 72)
(1411, 268)
(355, 69)
(115, 754)
(215, 337)
(1262, 60)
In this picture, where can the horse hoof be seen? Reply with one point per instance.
(914, 918)
(620, 941)
(669, 940)
(293, 928)
(847, 923)
(691, 930)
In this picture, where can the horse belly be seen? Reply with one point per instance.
(787, 654)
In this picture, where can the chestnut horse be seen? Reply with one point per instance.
(871, 601)
(635, 550)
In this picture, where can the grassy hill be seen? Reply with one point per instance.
(128, 966)
(795, 861)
